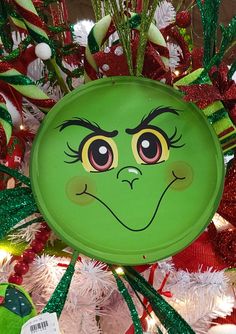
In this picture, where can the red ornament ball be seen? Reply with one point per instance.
(42, 235)
(28, 256)
(37, 246)
(15, 279)
(21, 268)
(183, 19)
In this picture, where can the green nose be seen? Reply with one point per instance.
(129, 175)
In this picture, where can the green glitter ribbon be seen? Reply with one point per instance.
(5, 30)
(232, 70)
(209, 10)
(135, 21)
(147, 15)
(17, 52)
(123, 29)
(15, 204)
(76, 73)
(17, 79)
(14, 173)
(5, 115)
(97, 8)
(209, 14)
(134, 314)
(57, 301)
(228, 38)
(169, 318)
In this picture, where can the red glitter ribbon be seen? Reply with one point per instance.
(116, 63)
(227, 207)
(3, 142)
(222, 89)
(225, 244)
(200, 255)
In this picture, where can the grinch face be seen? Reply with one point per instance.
(125, 171)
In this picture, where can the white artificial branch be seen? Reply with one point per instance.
(165, 14)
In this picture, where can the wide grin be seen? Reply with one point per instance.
(84, 192)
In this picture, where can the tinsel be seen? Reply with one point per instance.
(57, 301)
(17, 52)
(134, 314)
(169, 318)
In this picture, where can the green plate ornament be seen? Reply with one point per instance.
(125, 171)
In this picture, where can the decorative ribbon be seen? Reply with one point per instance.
(221, 89)
(57, 301)
(215, 111)
(169, 318)
(15, 204)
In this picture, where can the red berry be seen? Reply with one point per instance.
(42, 235)
(183, 19)
(28, 256)
(44, 226)
(21, 268)
(15, 279)
(37, 246)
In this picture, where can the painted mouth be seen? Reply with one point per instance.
(176, 178)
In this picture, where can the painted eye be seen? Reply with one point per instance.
(99, 154)
(150, 147)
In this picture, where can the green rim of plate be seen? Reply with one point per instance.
(92, 250)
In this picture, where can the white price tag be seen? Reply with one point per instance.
(45, 323)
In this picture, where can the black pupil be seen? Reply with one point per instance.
(150, 145)
(99, 151)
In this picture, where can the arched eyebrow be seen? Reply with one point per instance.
(147, 119)
(88, 125)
